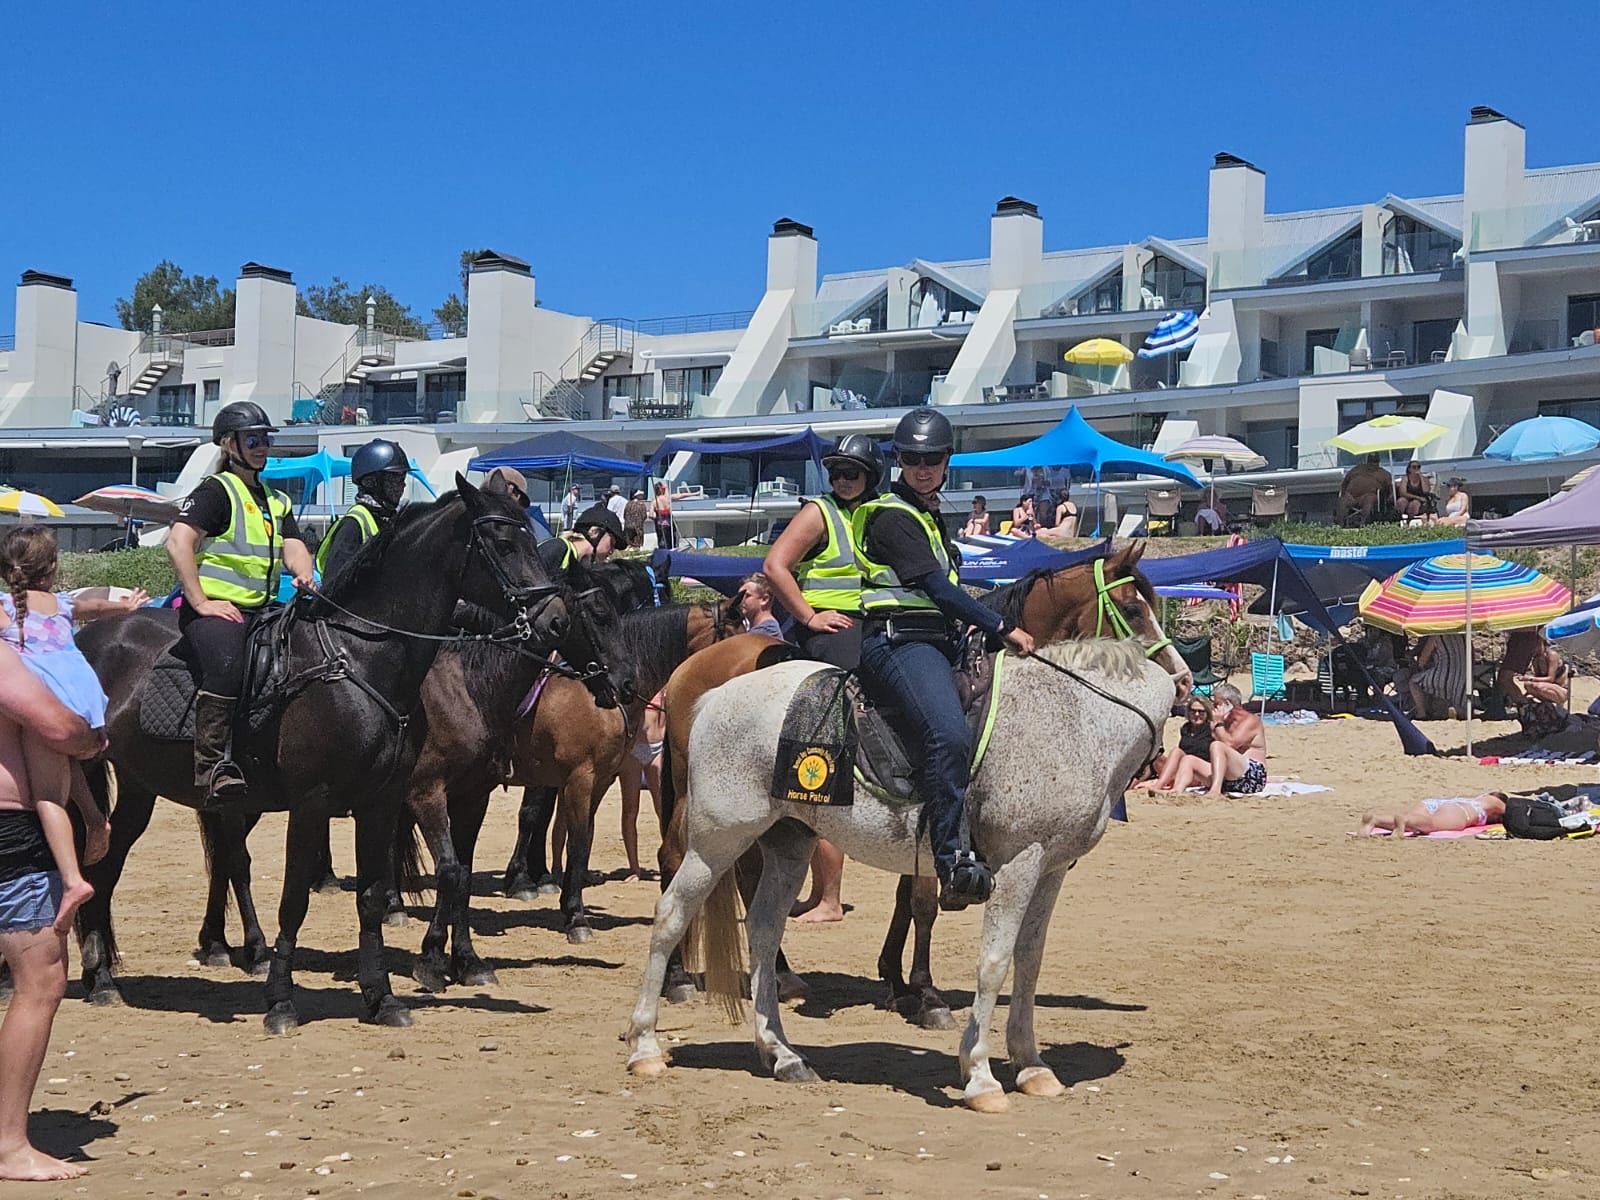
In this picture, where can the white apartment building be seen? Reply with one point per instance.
(1474, 309)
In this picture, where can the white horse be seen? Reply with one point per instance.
(1039, 802)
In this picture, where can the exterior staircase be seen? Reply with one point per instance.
(603, 343)
(157, 354)
(367, 349)
(562, 399)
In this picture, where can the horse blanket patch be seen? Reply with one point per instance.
(166, 707)
(816, 746)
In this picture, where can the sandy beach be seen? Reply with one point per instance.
(1245, 1002)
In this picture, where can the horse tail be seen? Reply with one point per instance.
(102, 780)
(210, 829)
(405, 858)
(714, 943)
(669, 789)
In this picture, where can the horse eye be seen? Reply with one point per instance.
(1133, 610)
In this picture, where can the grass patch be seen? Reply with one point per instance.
(146, 567)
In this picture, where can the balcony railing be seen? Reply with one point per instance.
(1535, 225)
(8, 341)
(698, 323)
(207, 337)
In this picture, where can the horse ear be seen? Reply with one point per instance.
(467, 492)
(1131, 554)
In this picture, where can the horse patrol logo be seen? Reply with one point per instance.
(811, 773)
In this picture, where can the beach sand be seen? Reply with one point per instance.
(1245, 1002)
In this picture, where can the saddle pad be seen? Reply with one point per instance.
(166, 706)
(816, 746)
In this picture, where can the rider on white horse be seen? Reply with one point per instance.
(914, 609)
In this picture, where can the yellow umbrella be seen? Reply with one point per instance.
(1387, 432)
(1098, 352)
(29, 504)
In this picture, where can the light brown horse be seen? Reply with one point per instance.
(1075, 602)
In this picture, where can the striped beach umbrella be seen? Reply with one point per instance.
(1175, 331)
(121, 499)
(1215, 447)
(1431, 596)
(29, 504)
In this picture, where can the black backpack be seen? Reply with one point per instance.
(1533, 817)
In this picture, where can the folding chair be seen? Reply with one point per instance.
(1266, 677)
(1161, 512)
(1268, 504)
(1196, 654)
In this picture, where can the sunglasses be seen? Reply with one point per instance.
(916, 458)
(847, 473)
(1197, 712)
(254, 441)
(520, 496)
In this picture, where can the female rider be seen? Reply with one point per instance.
(913, 608)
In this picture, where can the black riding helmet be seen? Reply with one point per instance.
(599, 514)
(861, 450)
(926, 431)
(242, 416)
(378, 457)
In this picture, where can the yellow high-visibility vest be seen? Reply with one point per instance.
(241, 564)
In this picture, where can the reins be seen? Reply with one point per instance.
(1155, 733)
(1107, 612)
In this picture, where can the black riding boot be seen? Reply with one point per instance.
(214, 771)
(964, 879)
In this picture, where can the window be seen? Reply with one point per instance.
(1166, 284)
(175, 404)
(1354, 412)
(445, 392)
(1318, 339)
(1104, 297)
(687, 386)
(1341, 260)
(1431, 337)
(1583, 313)
(1410, 246)
(1582, 410)
(212, 394)
(1276, 441)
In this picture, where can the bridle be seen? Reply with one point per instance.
(526, 602)
(1108, 613)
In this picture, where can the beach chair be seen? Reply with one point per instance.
(1161, 512)
(1266, 677)
(1268, 504)
(1196, 654)
(1336, 677)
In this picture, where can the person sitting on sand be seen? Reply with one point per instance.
(1440, 679)
(1440, 816)
(1238, 750)
(1023, 523)
(978, 519)
(1547, 675)
(1194, 742)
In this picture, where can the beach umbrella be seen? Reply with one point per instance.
(1387, 433)
(1577, 634)
(1431, 596)
(122, 499)
(1543, 437)
(1098, 352)
(1213, 447)
(1174, 332)
(29, 504)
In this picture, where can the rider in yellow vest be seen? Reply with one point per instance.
(813, 567)
(226, 544)
(596, 534)
(379, 469)
(914, 608)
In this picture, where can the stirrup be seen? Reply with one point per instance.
(969, 882)
(227, 786)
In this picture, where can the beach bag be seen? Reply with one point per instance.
(1533, 817)
(1541, 719)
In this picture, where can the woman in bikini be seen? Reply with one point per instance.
(1439, 816)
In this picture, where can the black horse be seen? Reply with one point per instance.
(348, 733)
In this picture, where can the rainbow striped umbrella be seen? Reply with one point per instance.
(126, 499)
(1431, 596)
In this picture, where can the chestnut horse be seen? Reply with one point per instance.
(1054, 606)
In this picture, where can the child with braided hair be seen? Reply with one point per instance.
(38, 623)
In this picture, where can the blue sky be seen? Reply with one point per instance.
(637, 154)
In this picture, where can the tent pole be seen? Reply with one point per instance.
(1468, 605)
(1272, 604)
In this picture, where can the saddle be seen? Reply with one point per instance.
(834, 734)
(166, 705)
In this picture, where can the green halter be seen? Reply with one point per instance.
(1108, 612)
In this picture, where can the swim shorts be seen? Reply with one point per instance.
(1252, 781)
(30, 902)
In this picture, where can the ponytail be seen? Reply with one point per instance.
(28, 562)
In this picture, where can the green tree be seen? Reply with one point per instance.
(452, 314)
(341, 303)
(188, 302)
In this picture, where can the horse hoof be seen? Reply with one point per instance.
(796, 1072)
(429, 976)
(648, 1068)
(678, 993)
(936, 1018)
(395, 919)
(106, 997)
(987, 1102)
(217, 958)
(1039, 1081)
(392, 1014)
(579, 934)
(479, 977)
(792, 988)
(328, 887)
(260, 970)
(525, 893)
(281, 1019)
(548, 885)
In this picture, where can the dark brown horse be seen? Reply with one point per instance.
(347, 732)
(1077, 601)
(564, 745)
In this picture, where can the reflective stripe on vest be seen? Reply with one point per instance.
(884, 591)
(365, 521)
(241, 565)
(832, 580)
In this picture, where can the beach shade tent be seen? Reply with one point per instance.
(719, 572)
(1458, 593)
(1077, 444)
(1387, 432)
(1540, 438)
(1339, 584)
(1174, 332)
(123, 499)
(1569, 518)
(29, 504)
(1384, 560)
(559, 456)
(801, 444)
(313, 470)
(1573, 480)
(1012, 560)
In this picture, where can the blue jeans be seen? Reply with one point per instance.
(916, 679)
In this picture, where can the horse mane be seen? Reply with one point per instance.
(366, 561)
(1010, 600)
(1114, 658)
(647, 636)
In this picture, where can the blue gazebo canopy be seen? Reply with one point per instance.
(321, 469)
(1076, 443)
(556, 456)
(803, 444)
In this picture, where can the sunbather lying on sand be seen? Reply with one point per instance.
(1439, 816)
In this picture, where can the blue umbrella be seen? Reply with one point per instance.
(1543, 437)
(1175, 331)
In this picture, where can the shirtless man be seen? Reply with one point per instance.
(1238, 745)
(30, 888)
